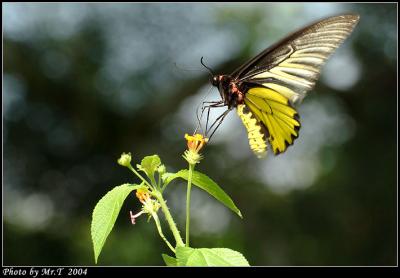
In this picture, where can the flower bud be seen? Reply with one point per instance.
(125, 159)
(161, 169)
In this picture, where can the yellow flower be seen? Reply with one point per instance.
(150, 206)
(196, 142)
(143, 195)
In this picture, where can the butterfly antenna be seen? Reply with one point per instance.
(209, 69)
(185, 69)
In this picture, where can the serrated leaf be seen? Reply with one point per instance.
(105, 214)
(150, 164)
(187, 256)
(204, 182)
(169, 261)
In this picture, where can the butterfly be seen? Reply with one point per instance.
(266, 89)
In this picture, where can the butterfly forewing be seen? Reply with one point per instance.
(292, 66)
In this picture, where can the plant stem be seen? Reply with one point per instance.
(155, 217)
(139, 176)
(191, 168)
(153, 182)
(168, 217)
(159, 182)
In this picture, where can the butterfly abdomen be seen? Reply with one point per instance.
(256, 132)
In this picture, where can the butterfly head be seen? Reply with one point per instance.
(228, 90)
(215, 80)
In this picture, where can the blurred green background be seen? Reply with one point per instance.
(85, 82)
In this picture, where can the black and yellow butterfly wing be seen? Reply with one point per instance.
(280, 77)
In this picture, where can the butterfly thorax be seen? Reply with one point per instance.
(230, 92)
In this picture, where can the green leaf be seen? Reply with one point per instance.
(187, 256)
(169, 261)
(149, 165)
(168, 177)
(105, 214)
(207, 184)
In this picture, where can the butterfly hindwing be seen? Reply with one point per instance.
(276, 114)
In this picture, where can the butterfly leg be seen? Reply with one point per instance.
(203, 108)
(211, 104)
(208, 107)
(218, 122)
